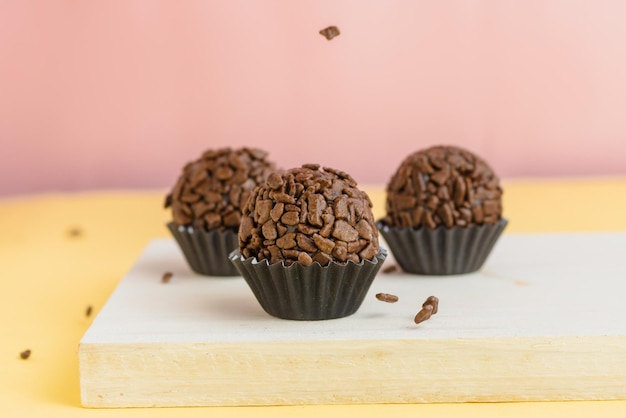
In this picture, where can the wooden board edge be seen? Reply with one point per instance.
(353, 372)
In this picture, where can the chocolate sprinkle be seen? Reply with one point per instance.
(393, 268)
(432, 301)
(387, 297)
(330, 32)
(424, 314)
(75, 232)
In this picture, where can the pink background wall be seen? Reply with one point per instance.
(120, 94)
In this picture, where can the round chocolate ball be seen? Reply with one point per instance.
(309, 215)
(443, 185)
(212, 190)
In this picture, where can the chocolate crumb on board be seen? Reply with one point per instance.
(88, 311)
(424, 314)
(330, 32)
(166, 277)
(393, 268)
(434, 302)
(25, 354)
(386, 297)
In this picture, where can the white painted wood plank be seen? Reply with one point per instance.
(544, 320)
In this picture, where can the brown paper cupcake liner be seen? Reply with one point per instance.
(206, 252)
(309, 293)
(442, 251)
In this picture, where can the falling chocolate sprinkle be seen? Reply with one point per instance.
(25, 354)
(330, 32)
(88, 311)
(166, 277)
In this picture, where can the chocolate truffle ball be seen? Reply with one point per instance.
(211, 191)
(309, 215)
(443, 185)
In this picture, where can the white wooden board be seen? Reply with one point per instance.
(545, 319)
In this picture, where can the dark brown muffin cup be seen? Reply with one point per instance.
(206, 252)
(309, 293)
(442, 251)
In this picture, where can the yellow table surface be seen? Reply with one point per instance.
(49, 277)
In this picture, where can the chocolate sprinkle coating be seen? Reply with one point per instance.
(443, 185)
(212, 190)
(309, 215)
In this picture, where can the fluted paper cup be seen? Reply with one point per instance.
(442, 251)
(309, 293)
(206, 252)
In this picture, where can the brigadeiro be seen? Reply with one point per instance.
(206, 205)
(308, 244)
(444, 212)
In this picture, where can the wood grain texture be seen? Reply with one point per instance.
(543, 320)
